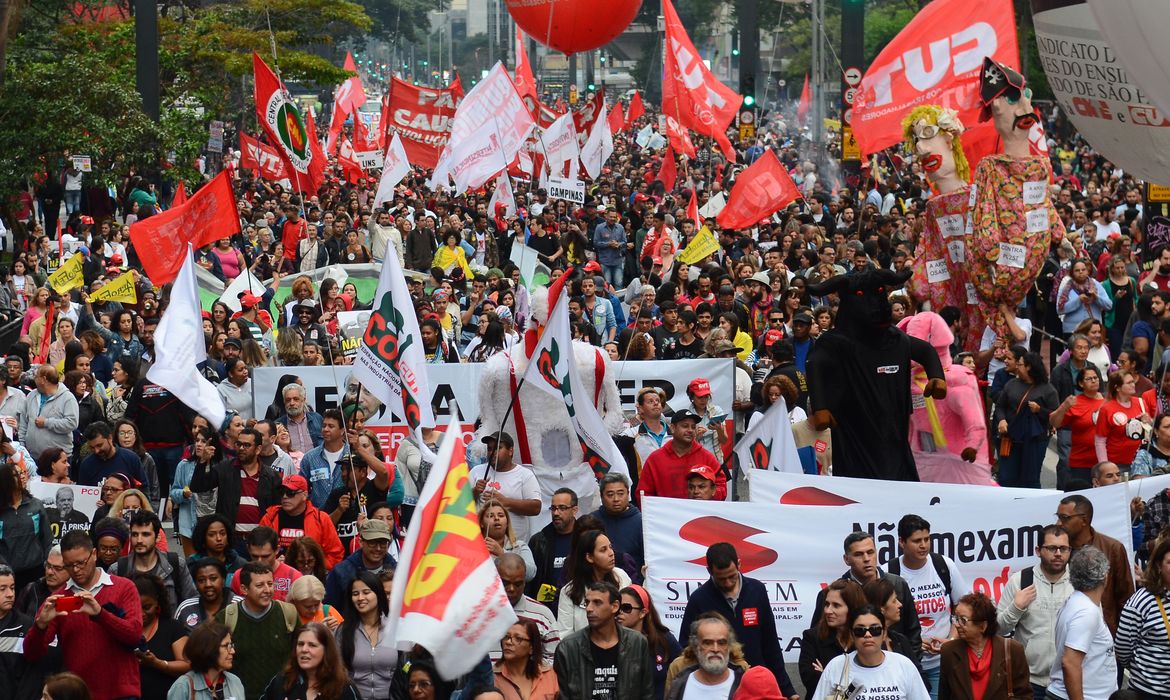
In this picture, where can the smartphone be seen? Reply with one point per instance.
(68, 603)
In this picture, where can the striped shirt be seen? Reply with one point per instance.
(1143, 643)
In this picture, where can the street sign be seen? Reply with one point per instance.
(747, 117)
(847, 117)
(849, 148)
(747, 131)
(572, 94)
(1157, 193)
(852, 76)
(850, 95)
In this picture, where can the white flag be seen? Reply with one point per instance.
(560, 144)
(553, 369)
(770, 444)
(394, 168)
(598, 147)
(179, 346)
(390, 361)
(447, 596)
(502, 195)
(477, 159)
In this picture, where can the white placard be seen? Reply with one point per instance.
(1034, 192)
(1012, 255)
(958, 251)
(83, 163)
(936, 271)
(1038, 220)
(571, 190)
(972, 297)
(369, 160)
(952, 225)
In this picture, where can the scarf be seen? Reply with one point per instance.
(1071, 288)
(980, 670)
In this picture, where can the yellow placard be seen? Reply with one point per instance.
(68, 276)
(1157, 193)
(121, 289)
(747, 131)
(701, 246)
(849, 148)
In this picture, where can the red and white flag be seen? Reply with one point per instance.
(586, 115)
(447, 596)
(477, 159)
(690, 92)
(262, 159)
(347, 158)
(395, 166)
(502, 195)
(935, 59)
(207, 216)
(423, 117)
(770, 445)
(347, 100)
(636, 110)
(761, 190)
(288, 129)
(525, 80)
(678, 137)
(559, 143)
(598, 147)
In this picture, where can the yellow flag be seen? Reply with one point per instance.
(68, 276)
(700, 247)
(121, 289)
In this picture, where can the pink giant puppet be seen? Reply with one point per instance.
(948, 436)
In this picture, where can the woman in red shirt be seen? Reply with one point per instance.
(1121, 422)
(1079, 413)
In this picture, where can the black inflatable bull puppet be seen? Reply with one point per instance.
(859, 378)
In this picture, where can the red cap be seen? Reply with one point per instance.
(592, 266)
(249, 300)
(295, 482)
(772, 337)
(699, 387)
(704, 471)
(87, 219)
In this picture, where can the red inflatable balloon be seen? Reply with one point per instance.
(572, 26)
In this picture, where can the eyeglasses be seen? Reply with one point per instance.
(79, 565)
(1056, 549)
(1064, 518)
(419, 684)
(110, 549)
(515, 639)
(960, 620)
(227, 645)
(560, 509)
(870, 630)
(628, 608)
(54, 568)
(777, 319)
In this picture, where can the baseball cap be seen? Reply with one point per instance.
(295, 482)
(592, 266)
(505, 439)
(375, 530)
(772, 337)
(803, 317)
(699, 387)
(762, 278)
(235, 342)
(724, 346)
(249, 300)
(704, 471)
(684, 414)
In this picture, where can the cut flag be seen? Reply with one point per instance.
(179, 347)
(761, 190)
(770, 444)
(207, 216)
(447, 596)
(690, 92)
(288, 129)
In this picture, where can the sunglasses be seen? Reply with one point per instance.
(870, 630)
(628, 608)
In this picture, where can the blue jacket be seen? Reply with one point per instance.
(322, 476)
(346, 571)
(755, 627)
(315, 421)
(625, 531)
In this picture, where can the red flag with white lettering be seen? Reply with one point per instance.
(207, 216)
(261, 158)
(762, 190)
(935, 59)
(288, 129)
(690, 92)
(422, 117)
(635, 110)
(347, 159)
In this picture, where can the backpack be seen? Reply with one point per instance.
(940, 568)
(172, 557)
(231, 616)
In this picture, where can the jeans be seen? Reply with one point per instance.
(166, 459)
(72, 201)
(1021, 468)
(1063, 447)
(932, 675)
(1039, 692)
(614, 274)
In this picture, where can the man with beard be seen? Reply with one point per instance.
(759, 298)
(551, 547)
(713, 677)
(1031, 601)
(64, 518)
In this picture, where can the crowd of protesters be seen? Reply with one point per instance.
(255, 559)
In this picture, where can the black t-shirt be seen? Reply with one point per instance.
(546, 245)
(678, 350)
(156, 684)
(289, 527)
(605, 672)
(347, 525)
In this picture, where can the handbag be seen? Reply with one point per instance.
(1005, 440)
(1007, 655)
(1165, 620)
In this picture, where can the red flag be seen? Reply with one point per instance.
(617, 120)
(422, 117)
(351, 94)
(348, 161)
(317, 172)
(207, 216)
(805, 100)
(679, 138)
(586, 115)
(180, 195)
(955, 35)
(693, 208)
(261, 158)
(636, 109)
(524, 79)
(669, 171)
(761, 190)
(363, 139)
(288, 129)
(690, 92)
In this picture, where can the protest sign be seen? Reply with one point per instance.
(121, 289)
(70, 506)
(568, 189)
(68, 276)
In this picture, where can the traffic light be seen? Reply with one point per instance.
(735, 43)
(749, 101)
(747, 87)
(592, 87)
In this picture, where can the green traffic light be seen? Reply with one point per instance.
(748, 100)
(735, 52)
(591, 87)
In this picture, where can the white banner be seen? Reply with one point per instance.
(70, 507)
(477, 159)
(559, 143)
(568, 189)
(988, 538)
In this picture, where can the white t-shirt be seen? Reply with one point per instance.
(701, 691)
(1103, 230)
(1081, 626)
(519, 483)
(931, 601)
(895, 678)
(332, 458)
(989, 338)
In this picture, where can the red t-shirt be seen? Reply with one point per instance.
(1082, 420)
(1111, 425)
(291, 234)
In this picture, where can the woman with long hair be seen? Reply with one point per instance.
(1123, 291)
(829, 637)
(210, 653)
(592, 559)
(1154, 458)
(1078, 413)
(313, 671)
(127, 436)
(880, 594)
(24, 520)
(1022, 413)
(124, 376)
(367, 642)
(729, 322)
(332, 302)
(1121, 423)
(1142, 631)
(637, 612)
(521, 673)
(38, 306)
(870, 665)
(65, 686)
(495, 524)
(212, 537)
(94, 346)
(307, 556)
(221, 313)
(205, 451)
(65, 335)
(161, 657)
(489, 339)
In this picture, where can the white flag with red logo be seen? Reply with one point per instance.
(770, 445)
(553, 369)
(395, 166)
(477, 159)
(502, 195)
(598, 147)
(559, 142)
(447, 595)
(690, 92)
